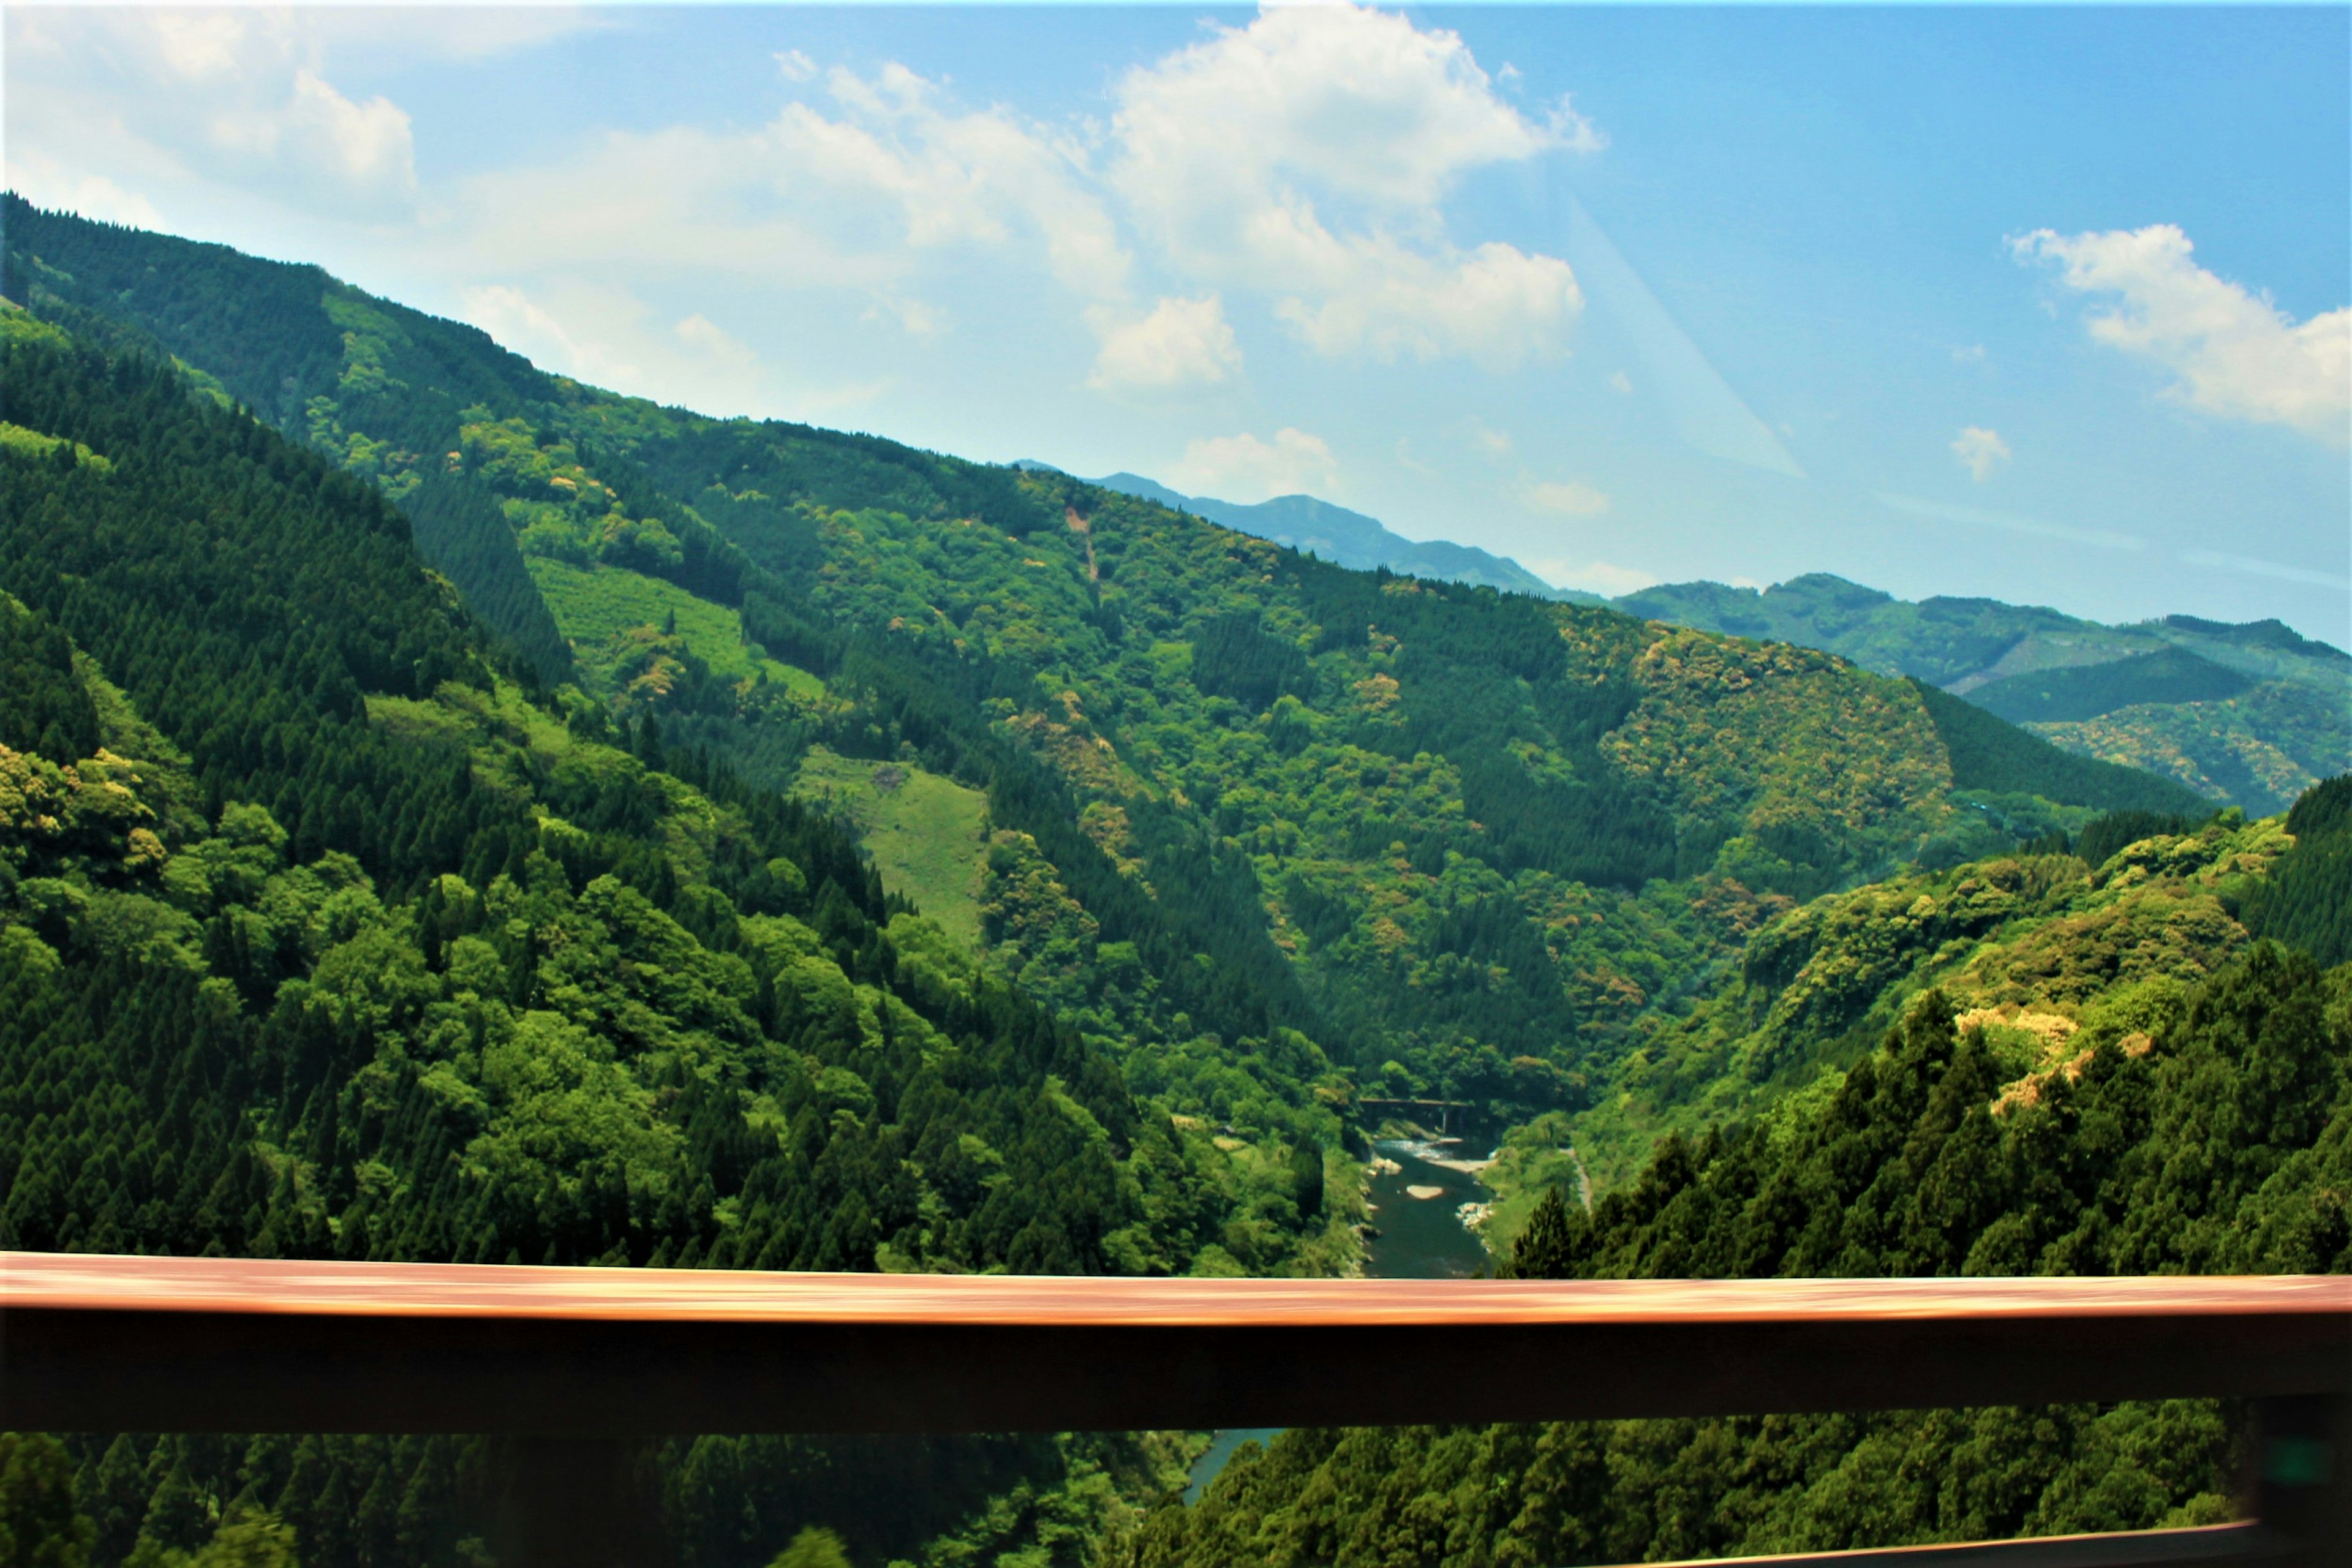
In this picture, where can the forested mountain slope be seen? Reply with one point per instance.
(318, 940)
(1253, 818)
(2029, 947)
(2203, 1128)
(513, 905)
(2251, 715)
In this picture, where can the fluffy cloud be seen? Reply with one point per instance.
(1301, 162)
(1306, 155)
(1980, 451)
(700, 333)
(1244, 469)
(1302, 158)
(1181, 342)
(2235, 354)
(859, 194)
(237, 98)
(365, 147)
(1600, 578)
(610, 337)
(1573, 497)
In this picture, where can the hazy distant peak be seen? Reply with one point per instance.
(1333, 532)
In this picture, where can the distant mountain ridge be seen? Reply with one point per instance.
(1349, 539)
(2252, 714)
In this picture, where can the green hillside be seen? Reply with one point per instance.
(450, 812)
(2248, 715)
(2201, 1128)
(318, 939)
(2089, 690)
(2028, 1066)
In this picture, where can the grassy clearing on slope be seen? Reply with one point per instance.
(593, 604)
(925, 832)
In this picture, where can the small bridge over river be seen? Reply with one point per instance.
(1443, 1116)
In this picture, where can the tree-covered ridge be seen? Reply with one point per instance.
(273, 1500)
(2249, 715)
(2024, 943)
(2203, 1128)
(1309, 820)
(394, 964)
(2261, 748)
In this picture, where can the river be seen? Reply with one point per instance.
(1420, 1237)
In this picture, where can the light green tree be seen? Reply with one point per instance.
(813, 1548)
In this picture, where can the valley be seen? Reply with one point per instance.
(450, 812)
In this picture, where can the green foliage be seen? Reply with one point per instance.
(2307, 903)
(1937, 640)
(1988, 753)
(463, 533)
(2031, 941)
(44, 706)
(925, 833)
(1232, 657)
(1412, 822)
(2259, 749)
(552, 1001)
(2101, 837)
(2088, 690)
(1573, 1492)
(812, 1548)
(39, 1526)
(2220, 1142)
(2250, 715)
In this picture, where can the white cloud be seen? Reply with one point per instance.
(1302, 160)
(1495, 306)
(608, 336)
(40, 180)
(1971, 353)
(2236, 355)
(1621, 384)
(197, 43)
(955, 178)
(699, 332)
(2254, 567)
(1600, 578)
(916, 318)
(1573, 498)
(240, 99)
(1244, 469)
(1483, 438)
(1307, 154)
(370, 146)
(1181, 342)
(1980, 451)
(861, 196)
(530, 330)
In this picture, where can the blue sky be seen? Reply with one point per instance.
(2053, 305)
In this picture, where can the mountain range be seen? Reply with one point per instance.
(449, 811)
(2250, 714)
(1350, 539)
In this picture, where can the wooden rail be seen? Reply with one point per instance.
(215, 1344)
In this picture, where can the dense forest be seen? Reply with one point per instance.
(1276, 831)
(354, 952)
(448, 812)
(2248, 715)
(2204, 1129)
